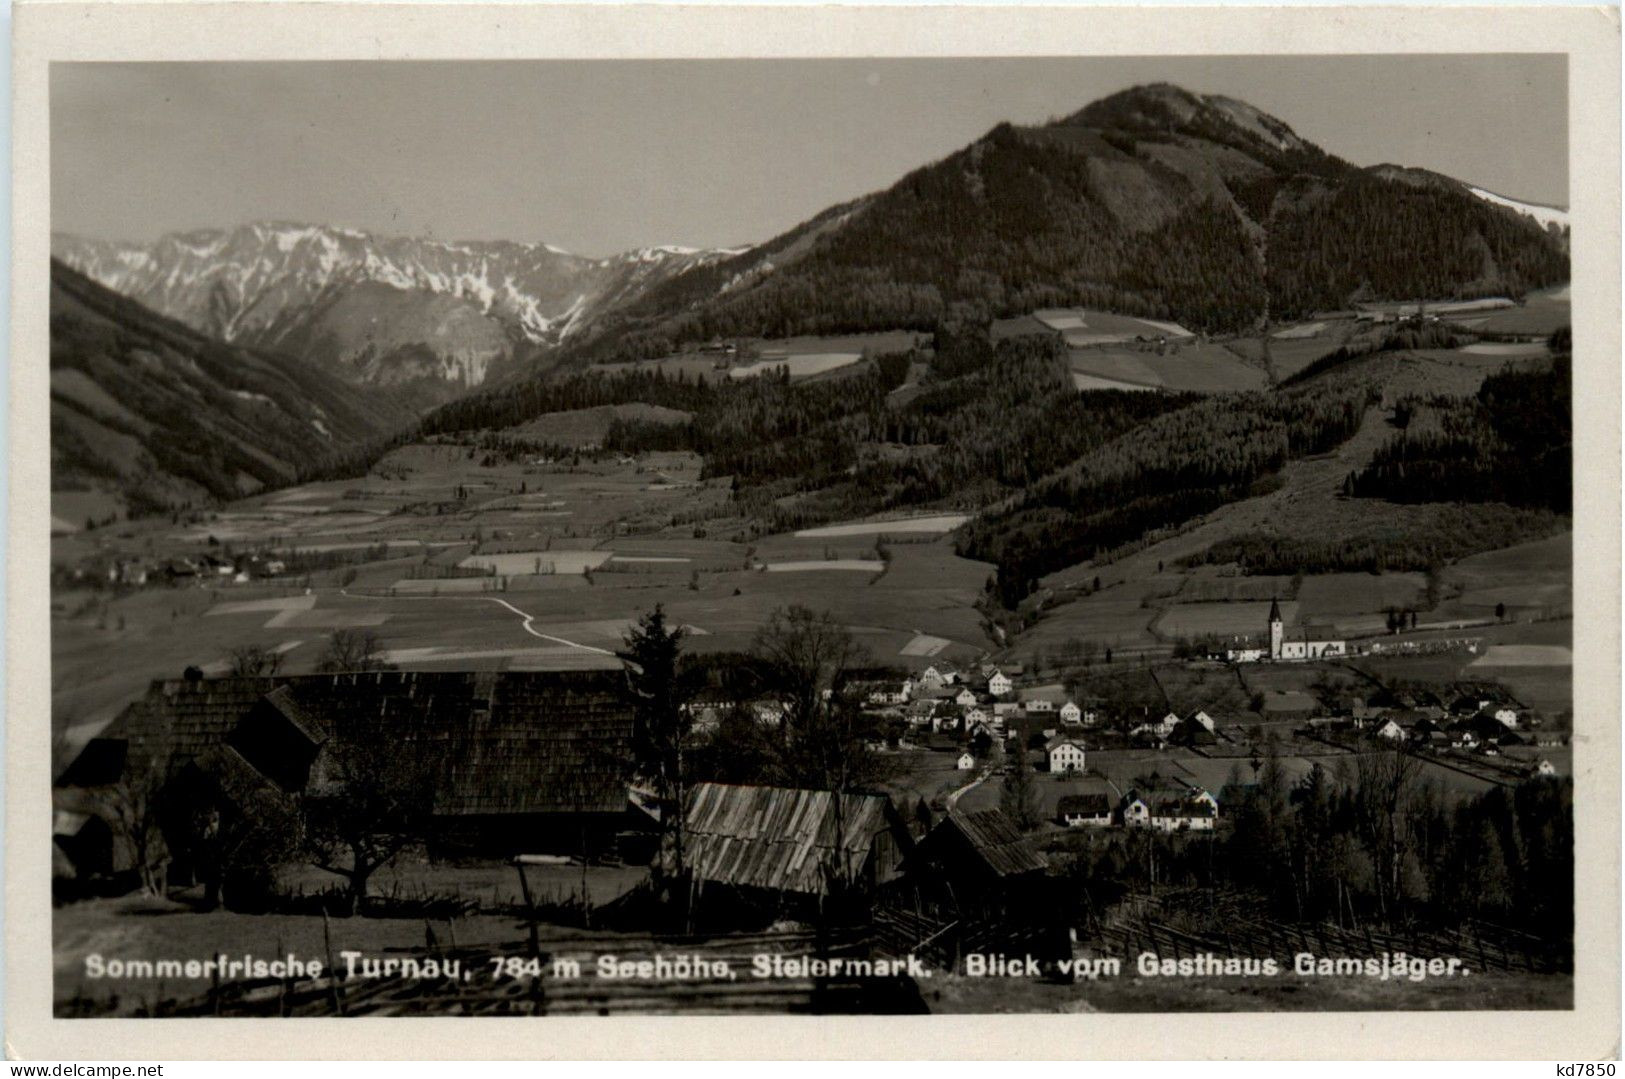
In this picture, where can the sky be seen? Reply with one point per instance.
(599, 156)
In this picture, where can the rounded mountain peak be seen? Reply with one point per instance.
(1165, 107)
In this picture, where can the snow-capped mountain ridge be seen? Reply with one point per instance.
(278, 284)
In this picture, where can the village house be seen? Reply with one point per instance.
(999, 684)
(966, 762)
(1158, 729)
(1084, 810)
(1190, 731)
(1544, 767)
(1064, 754)
(1391, 731)
(965, 698)
(1507, 717)
(1183, 815)
(517, 761)
(1071, 715)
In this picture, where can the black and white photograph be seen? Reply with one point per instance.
(839, 536)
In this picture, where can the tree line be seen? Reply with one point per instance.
(1511, 442)
(1159, 474)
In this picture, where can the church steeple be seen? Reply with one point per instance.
(1275, 610)
(1277, 638)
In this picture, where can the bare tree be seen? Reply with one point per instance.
(1383, 787)
(805, 660)
(1018, 795)
(134, 804)
(254, 661)
(368, 805)
(353, 650)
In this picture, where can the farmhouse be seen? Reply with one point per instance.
(999, 684)
(1064, 754)
(966, 762)
(1181, 815)
(517, 762)
(1071, 714)
(791, 845)
(1084, 810)
(1159, 730)
(1391, 731)
(965, 698)
(1190, 731)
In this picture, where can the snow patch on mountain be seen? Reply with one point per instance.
(258, 284)
(1544, 215)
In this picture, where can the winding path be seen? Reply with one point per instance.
(525, 625)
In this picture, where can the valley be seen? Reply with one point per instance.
(1108, 493)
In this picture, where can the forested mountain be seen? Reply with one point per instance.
(1511, 442)
(1160, 474)
(1155, 202)
(159, 415)
(988, 420)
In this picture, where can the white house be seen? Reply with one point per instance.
(1036, 707)
(1184, 815)
(1065, 755)
(1204, 719)
(1545, 768)
(965, 698)
(931, 678)
(1507, 717)
(1391, 732)
(975, 715)
(1134, 811)
(999, 684)
(1084, 810)
(966, 762)
(1071, 714)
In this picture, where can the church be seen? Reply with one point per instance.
(1303, 648)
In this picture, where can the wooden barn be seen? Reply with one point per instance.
(516, 761)
(792, 847)
(974, 884)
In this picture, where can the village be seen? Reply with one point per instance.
(963, 839)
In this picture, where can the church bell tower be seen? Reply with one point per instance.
(1276, 630)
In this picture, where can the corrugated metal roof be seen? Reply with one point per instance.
(779, 838)
(998, 842)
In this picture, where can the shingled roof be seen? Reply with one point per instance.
(511, 742)
(998, 842)
(786, 839)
